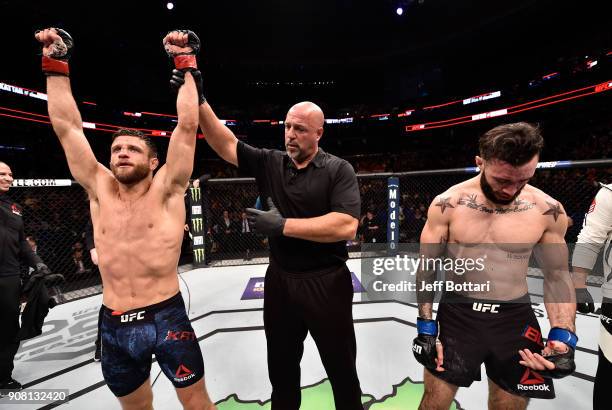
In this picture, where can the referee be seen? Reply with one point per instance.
(312, 205)
(13, 249)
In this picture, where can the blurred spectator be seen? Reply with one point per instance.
(246, 236)
(370, 228)
(32, 242)
(78, 260)
(227, 231)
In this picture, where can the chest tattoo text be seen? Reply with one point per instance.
(518, 205)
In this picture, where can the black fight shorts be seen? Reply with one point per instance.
(474, 331)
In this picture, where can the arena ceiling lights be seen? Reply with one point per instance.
(515, 109)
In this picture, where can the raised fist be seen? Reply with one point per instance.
(57, 47)
(57, 43)
(182, 46)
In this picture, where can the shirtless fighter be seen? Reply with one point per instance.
(138, 223)
(498, 212)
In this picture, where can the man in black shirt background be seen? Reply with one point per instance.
(14, 248)
(312, 205)
(371, 229)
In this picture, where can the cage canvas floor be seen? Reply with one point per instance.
(230, 331)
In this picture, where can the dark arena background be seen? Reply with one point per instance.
(407, 87)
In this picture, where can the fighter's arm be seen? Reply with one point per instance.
(552, 255)
(182, 46)
(181, 149)
(557, 358)
(597, 227)
(220, 138)
(434, 237)
(67, 124)
(66, 119)
(427, 348)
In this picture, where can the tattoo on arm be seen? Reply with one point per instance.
(554, 210)
(444, 203)
(426, 310)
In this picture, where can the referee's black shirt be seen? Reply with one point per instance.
(327, 184)
(13, 245)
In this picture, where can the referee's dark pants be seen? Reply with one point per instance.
(10, 289)
(321, 303)
(601, 391)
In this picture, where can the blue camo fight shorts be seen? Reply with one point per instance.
(129, 339)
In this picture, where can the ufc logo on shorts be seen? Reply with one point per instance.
(417, 349)
(132, 316)
(485, 307)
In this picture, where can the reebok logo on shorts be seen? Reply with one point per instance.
(532, 381)
(531, 377)
(183, 374)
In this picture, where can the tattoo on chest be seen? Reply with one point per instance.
(554, 210)
(517, 256)
(444, 203)
(518, 205)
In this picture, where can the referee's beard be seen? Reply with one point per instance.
(298, 154)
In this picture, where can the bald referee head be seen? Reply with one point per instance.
(303, 130)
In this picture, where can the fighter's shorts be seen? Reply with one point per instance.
(473, 332)
(129, 339)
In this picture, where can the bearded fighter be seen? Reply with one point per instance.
(499, 220)
(138, 220)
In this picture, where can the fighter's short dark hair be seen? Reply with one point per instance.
(515, 143)
(135, 133)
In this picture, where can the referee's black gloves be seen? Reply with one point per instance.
(270, 223)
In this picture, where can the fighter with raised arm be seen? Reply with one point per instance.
(138, 220)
